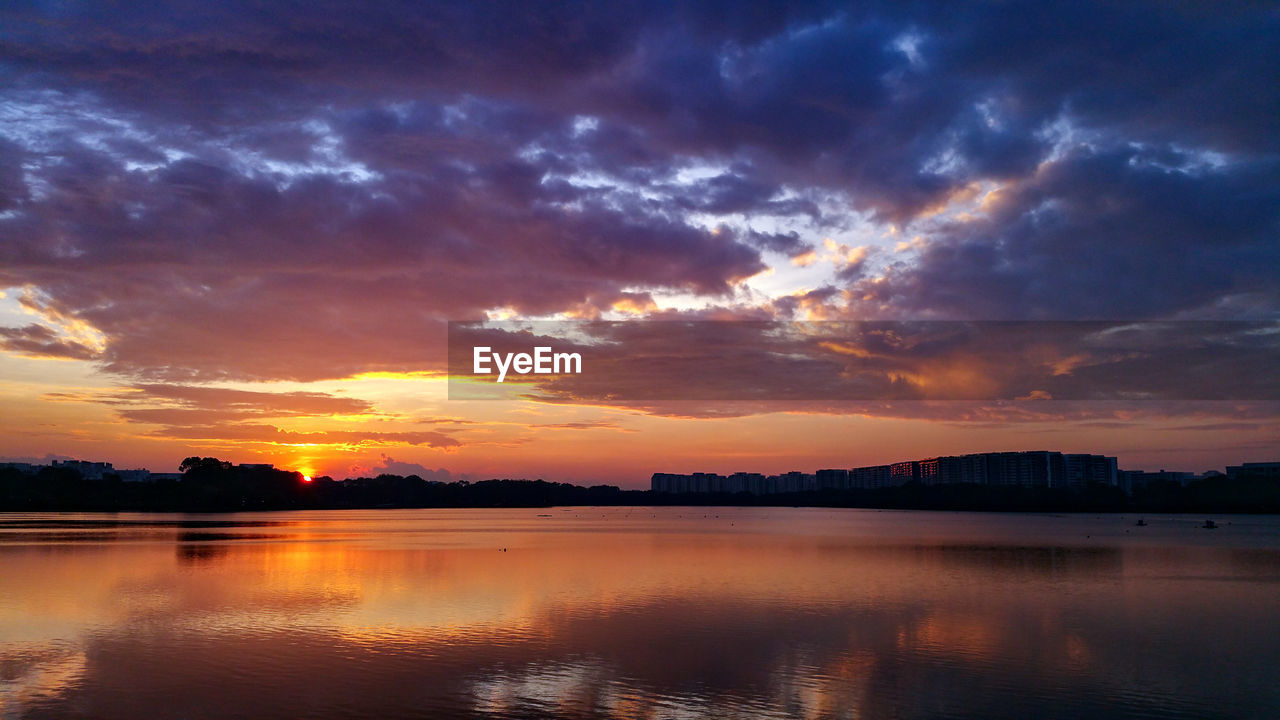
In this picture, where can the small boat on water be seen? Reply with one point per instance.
(1141, 523)
(1210, 525)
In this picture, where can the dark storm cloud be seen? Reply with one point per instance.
(229, 190)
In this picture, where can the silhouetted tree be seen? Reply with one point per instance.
(206, 464)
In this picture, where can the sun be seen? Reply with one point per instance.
(306, 478)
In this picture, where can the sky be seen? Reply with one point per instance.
(240, 229)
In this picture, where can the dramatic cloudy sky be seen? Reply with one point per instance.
(239, 228)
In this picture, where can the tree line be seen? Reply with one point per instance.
(213, 485)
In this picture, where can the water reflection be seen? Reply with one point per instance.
(636, 613)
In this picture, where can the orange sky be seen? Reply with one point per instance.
(67, 407)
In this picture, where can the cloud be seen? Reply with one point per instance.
(391, 466)
(226, 414)
(40, 341)
(310, 194)
(46, 460)
(805, 259)
(964, 371)
(298, 282)
(286, 403)
(192, 404)
(260, 433)
(788, 243)
(584, 425)
(1128, 233)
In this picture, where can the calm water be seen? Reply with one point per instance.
(638, 613)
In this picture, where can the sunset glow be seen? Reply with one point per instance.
(190, 272)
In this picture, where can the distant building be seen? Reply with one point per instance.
(707, 482)
(794, 481)
(663, 482)
(1131, 480)
(950, 469)
(874, 476)
(928, 471)
(88, 470)
(1269, 470)
(28, 468)
(746, 482)
(833, 479)
(1037, 468)
(967, 469)
(1083, 470)
(901, 473)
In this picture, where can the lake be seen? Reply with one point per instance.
(638, 613)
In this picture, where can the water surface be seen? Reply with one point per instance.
(638, 613)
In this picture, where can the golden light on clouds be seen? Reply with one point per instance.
(805, 259)
(635, 304)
